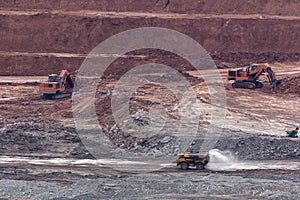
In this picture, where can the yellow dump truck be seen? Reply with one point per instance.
(187, 160)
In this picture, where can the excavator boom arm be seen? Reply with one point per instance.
(271, 77)
(65, 79)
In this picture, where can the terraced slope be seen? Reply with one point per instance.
(39, 37)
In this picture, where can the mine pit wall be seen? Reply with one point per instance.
(37, 65)
(266, 7)
(236, 40)
(239, 37)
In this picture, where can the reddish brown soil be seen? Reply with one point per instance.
(239, 33)
(269, 7)
(40, 37)
(45, 41)
(290, 85)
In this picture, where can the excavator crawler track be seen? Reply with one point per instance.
(244, 84)
(56, 96)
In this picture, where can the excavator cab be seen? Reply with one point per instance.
(253, 67)
(53, 78)
(233, 73)
(50, 87)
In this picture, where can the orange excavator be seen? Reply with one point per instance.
(58, 86)
(248, 77)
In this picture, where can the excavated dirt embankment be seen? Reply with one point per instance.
(289, 85)
(235, 39)
(268, 7)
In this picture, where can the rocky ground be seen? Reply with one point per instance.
(254, 185)
(43, 154)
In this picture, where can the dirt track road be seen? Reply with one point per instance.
(70, 182)
(150, 15)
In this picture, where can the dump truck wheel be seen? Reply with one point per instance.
(199, 166)
(184, 166)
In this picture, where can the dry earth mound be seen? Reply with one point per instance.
(289, 85)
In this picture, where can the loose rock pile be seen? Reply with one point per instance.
(289, 85)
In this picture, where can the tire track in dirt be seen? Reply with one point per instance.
(90, 13)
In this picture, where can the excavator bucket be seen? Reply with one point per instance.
(276, 83)
(271, 76)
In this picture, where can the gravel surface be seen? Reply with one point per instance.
(187, 185)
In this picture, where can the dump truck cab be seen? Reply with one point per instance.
(187, 160)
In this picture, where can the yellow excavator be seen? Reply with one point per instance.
(248, 77)
(58, 86)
